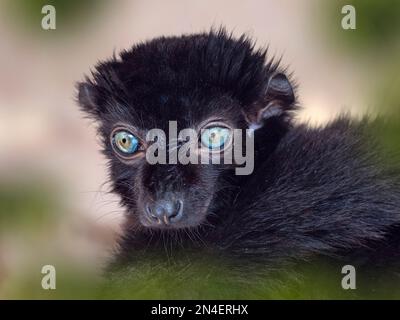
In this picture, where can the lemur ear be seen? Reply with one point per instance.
(279, 98)
(88, 98)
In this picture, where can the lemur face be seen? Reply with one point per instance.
(170, 194)
(210, 84)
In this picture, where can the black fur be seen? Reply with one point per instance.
(314, 191)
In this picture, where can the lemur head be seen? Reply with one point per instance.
(211, 83)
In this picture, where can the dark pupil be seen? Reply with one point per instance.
(124, 140)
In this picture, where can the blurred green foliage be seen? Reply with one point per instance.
(70, 14)
(202, 279)
(378, 24)
(212, 279)
(26, 205)
(375, 46)
(72, 282)
(388, 103)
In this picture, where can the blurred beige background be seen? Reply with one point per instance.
(46, 144)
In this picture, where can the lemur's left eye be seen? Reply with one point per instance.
(125, 142)
(215, 138)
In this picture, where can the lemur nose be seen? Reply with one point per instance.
(165, 211)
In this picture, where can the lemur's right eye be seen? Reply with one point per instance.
(125, 142)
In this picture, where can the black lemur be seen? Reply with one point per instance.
(313, 192)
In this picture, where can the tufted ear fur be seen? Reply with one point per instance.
(279, 98)
(88, 98)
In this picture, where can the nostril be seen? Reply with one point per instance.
(151, 215)
(177, 213)
(149, 211)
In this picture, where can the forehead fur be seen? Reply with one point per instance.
(178, 68)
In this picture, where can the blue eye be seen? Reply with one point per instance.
(125, 142)
(214, 138)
